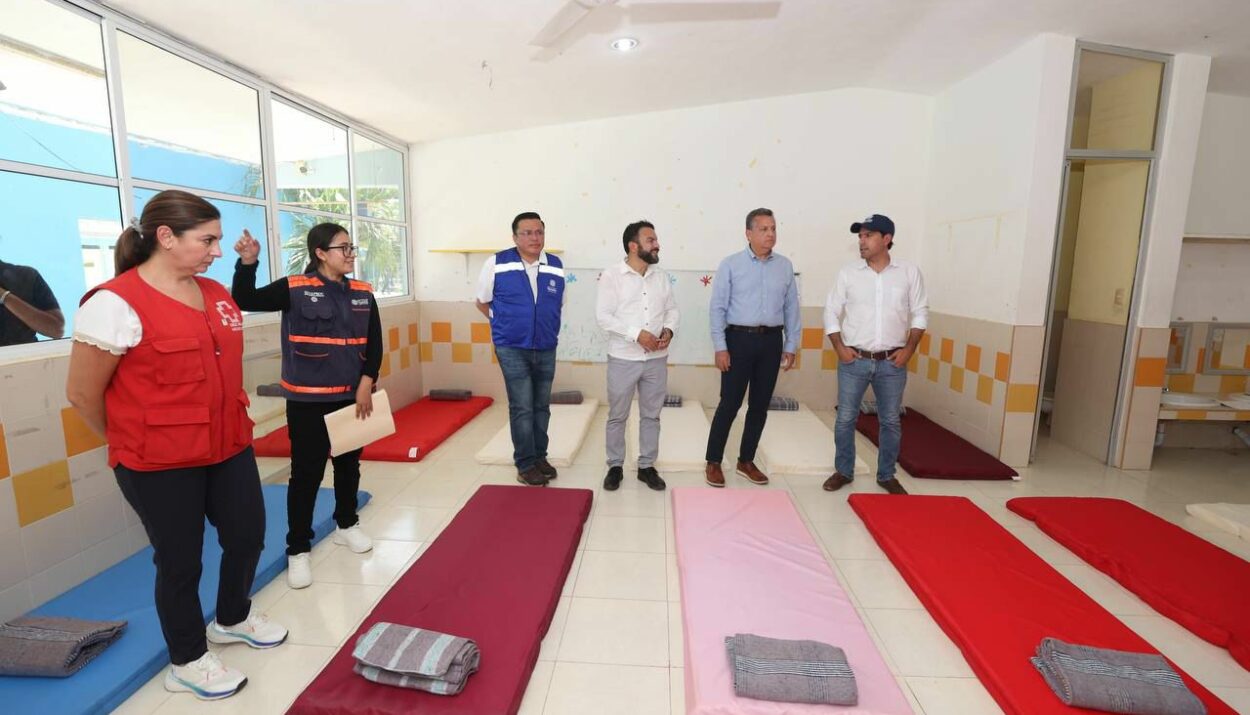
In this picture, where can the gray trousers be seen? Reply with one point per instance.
(650, 379)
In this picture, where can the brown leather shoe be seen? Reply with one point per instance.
(544, 467)
(752, 473)
(835, 482)
(713, 475)
(532, 477)
(892, 486)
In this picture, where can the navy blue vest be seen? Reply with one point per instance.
(517, 320)
(324, 335)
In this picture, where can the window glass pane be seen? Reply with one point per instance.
(312, 160)
(188, 125)
(55, 233)
(54, 110)
(1117, 102)
(235, 217)
(383, 257)
(294, 227)
(379, 180)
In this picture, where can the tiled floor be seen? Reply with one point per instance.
(615, 643)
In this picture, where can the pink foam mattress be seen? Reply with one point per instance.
(748, 564)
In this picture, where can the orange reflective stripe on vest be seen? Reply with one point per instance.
(317, 390)
(327, 341)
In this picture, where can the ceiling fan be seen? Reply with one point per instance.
(562, 28)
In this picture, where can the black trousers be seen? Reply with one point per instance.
(754, 360)
(172, 504)
(310, 447)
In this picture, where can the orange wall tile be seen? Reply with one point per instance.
(913, 365)
(828, 360)
(1021, 398)
(1002, 367)
(405, 359)
(392, 339)
(440, 332)
(812, 339)
(1181, 382)
(925, 341)
(1191, 414)
(985, 388)
(462, 352)
(1243, 416)
(948, 350)
(479, 332)
(1245, 361)
(79, 437)
(935, 368)
(386, 366)
(972, 358)
(957, 378)
(1232, 383)
(413, 338)
(42, 492)
(427, 352)
(1150, 372)
(4, 455)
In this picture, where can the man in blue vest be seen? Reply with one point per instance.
(521, 290)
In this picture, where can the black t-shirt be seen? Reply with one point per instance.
(27, 284)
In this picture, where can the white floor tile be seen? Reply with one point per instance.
(536, 692)
(627, 533)
(877, 584)
(404, 523)
(324, 614)
(607, 574)
(378, 567)
(584, 688)
(275, 677)
(917, 645)
(610, 631)
(953, 696)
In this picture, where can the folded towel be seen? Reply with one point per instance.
(451, 395)
(672, 400)
(786, 404)
(790, 671)
(566, 397)
(53, 647)
(273, 389)
(1114, 680)
(415, 658)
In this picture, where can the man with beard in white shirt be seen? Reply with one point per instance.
(637, 308)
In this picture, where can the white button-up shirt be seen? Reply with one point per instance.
(630, 302)
(876, 311)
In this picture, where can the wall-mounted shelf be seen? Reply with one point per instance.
(1217, 238)
(466, 252)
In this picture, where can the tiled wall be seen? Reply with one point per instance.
(62, 518)
(1193, 379)
(1137, 446)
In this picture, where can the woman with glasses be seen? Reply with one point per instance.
(331, 353)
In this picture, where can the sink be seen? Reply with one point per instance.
(1237, 402)
(1185, 400)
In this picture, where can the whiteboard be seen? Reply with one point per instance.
(582, 340)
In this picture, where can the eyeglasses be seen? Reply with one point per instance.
(347, 249)
(534, 232)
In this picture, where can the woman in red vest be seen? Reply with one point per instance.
(331, 354)
(157, 368)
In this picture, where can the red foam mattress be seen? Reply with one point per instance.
(929, 450)
(1186, 578)
(994, 597)
(494, 575)
(419, 428)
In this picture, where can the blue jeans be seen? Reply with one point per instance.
(887, 382)
(528, 375)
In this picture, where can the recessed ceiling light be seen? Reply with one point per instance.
(624, 44)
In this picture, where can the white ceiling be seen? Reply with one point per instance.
(430, 69)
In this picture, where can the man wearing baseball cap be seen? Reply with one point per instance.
(874, 317)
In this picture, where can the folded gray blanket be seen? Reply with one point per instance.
(451, 395)
(1114, 680)
(786, 404)
(672, 400)
(53, 647)
(790, 671)
(273, 389)
(415, 658)
(566, 397)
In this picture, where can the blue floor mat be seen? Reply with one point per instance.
(125, 592)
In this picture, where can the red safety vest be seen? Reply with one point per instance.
(177, 398)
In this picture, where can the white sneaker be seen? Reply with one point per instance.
(354, 538)
(206, 678)
(257, 631)
(299, 570)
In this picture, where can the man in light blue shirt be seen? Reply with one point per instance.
(755, 330)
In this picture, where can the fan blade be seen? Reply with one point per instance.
(565, 19)
(661, 12)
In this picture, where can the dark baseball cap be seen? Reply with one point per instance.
(875, 222)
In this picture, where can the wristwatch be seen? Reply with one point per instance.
(4, 295)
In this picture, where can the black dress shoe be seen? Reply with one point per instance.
(835, 482)
(545, 468)
(651, 478)
(892, 486)
(613, 480)
(532, 477)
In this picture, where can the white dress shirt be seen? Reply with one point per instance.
(630, 302)
(876, 311)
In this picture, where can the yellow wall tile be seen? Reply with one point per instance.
(1181, 382)
(985, 388)
(1149, 372)
(1021, 398)
(948, 350)
(392, 339)
(925, 341)
(462, 352)
(1232, 383)
(405, 359)
(1002, 367)
(4, 456)
(813, 338)
(413, 337)
(913, 365)
(1202, 361)
(1245, 361)
(427, 352)
(1243, 416)
(957, 378)
(828, 360)
(440, 332)
(42, 492)
(972, 358)
(79, 437)
(934, 368)
(1191, 414)
(386, 366)
(479, 332)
